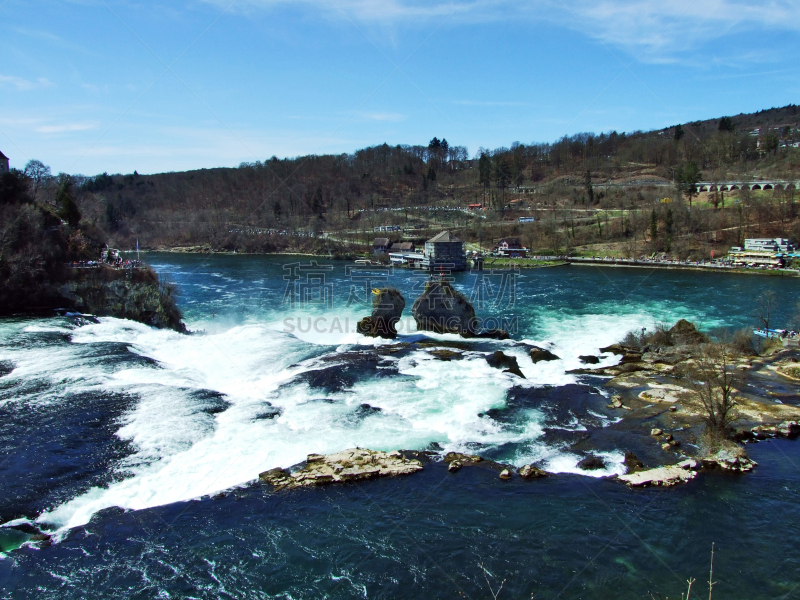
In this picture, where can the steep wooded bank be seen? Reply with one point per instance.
(39, 245)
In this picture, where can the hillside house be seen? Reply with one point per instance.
(403, 247)
(381, 245)
(511, 247)
(3, 163)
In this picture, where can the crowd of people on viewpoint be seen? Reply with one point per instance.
(108, 256)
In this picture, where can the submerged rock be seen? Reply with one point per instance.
(387, 308)
(446, 355)
(540, 354)
(454, 466)
(6, 367)
(464, 459)
(589, 359)
(632, 462)
(493, 334)
(348, 465)
(331, 379)
(616, 402)
(591, 463)
(509, 364)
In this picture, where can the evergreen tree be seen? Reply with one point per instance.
(64, 198)
(653, 226)
(316, 203)
(687, 177)
(484, 172)
(726, 124)
(589, 189)
(13, 188)
(502, 175)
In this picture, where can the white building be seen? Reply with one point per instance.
(769, 244)
(3, 163)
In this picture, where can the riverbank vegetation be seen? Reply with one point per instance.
(41, 241)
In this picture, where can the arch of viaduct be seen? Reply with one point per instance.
(709, 186)
(702, 186)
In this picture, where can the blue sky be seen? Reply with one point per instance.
(89, 86)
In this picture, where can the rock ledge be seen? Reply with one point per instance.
(662, 476)
(348, 465)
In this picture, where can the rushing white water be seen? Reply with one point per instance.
(182, 451)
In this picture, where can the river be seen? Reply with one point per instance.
(139, 448)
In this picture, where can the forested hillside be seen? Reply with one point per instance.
(583, 190)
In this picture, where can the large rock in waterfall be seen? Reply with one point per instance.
(509, 364)
(442, 309)
(388, 305)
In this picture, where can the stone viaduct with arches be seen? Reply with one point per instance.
(723, 186)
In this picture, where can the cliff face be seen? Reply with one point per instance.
(135, 295)
(37, 247)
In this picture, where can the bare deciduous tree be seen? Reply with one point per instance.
(766, 304)
(716, 382)
(39, 174)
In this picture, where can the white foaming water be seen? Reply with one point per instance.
(570, 336)
(183, 452)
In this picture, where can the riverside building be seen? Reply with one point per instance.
(444, 252)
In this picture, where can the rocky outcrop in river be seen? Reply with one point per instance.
(508, 364)
(388, 305)
(662, 476)
(134, 294)
(442, 309)
(348, 465)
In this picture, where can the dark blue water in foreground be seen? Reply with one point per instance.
(427, 536)
(175, 428)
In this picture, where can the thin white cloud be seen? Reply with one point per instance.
(487, 103)
(658, 26)
(375, 10)
(93, 88)
(652, 31)
(46, 37)
(391, 117)
(24, 85)
(66, 127)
